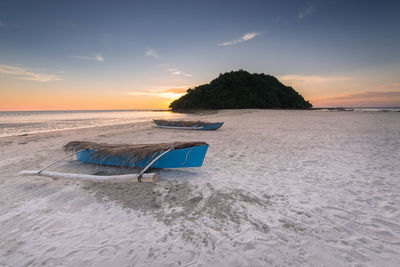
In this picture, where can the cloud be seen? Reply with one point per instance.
(152, 53)
(388, 85)
(98, 57)
(364, 99)
(312, 78)
(176, 90)
(307, 10)
(22, 74)
(367, 95)
(164, 92)
(8, 25)
(244, 38)
(174, 71)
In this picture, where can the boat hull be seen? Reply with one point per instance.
(178, 158)
(206, 127)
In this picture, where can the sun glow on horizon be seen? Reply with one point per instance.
(19, 100)
(321, 91)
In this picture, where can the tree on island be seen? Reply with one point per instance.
(241, 89)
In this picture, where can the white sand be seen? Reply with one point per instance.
(302, 188)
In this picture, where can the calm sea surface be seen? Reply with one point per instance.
(26, 122)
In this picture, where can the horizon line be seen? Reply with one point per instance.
(316, 107)
(44, 110)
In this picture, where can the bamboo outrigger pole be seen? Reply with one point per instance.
(141, 177)
(146, 177)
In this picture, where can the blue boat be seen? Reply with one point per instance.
(174, 155)
(145, 156)
(188, 125)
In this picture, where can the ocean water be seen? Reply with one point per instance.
(27, 122)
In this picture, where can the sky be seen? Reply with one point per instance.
(61, 55)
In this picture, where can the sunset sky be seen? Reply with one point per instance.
(57, 55)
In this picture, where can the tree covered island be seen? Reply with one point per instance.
(241, 89)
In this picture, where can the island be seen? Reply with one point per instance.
(239, 90)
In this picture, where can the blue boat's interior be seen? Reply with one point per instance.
(178, 158)
(210, 126)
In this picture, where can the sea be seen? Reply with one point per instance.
(26, 122)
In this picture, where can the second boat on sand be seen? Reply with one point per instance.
(188, 125)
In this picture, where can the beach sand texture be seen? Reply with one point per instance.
(277, 188)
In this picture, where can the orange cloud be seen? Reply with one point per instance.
(312, 78)
(388, 85)
(23, 74)
(361, 99)
(169, 93)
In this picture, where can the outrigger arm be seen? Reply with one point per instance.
(141, 177)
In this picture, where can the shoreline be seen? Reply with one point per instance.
(176, 115)
(74, 128)
(200, 113)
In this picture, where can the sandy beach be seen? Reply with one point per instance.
(277, 188)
